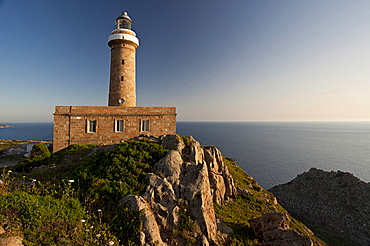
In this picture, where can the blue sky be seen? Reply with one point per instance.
(214, 60)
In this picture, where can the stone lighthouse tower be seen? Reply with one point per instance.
(121, 120)
(123, 43)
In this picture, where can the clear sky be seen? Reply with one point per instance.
(215, 60)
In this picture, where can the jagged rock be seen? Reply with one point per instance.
(170, 166)
(195, 188)
(162, 199)
(174, 218)
(337, 201)
(173, 142)
(274, 230)
(150, 226)
(194, 152)
(189, 188)
(222, 183)
(268, 222)
(11, 241)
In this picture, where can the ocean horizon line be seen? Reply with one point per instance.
(221, 121)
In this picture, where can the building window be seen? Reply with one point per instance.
(122, 78)
(123, 62)
(144, 126)
(119, 125)
(91, 125)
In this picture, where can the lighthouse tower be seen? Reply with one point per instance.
(123, 43)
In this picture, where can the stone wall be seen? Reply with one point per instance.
(71, 124)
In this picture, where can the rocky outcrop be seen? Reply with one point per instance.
(273, 229)
(337, 201)
(188, 180)
(222, 184)
(6, 126)
(150, 232)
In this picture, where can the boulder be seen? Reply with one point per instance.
(273, 229)
(11, 241)
(173, 142)
(170, 166)
(194, 152)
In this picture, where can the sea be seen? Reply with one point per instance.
(272, 152)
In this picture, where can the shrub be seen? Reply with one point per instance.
(38, 154)
(41, 220)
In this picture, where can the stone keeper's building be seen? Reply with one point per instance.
(121, 119)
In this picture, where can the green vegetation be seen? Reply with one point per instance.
(71, 199)
(79, 183)
(187, 226)
(38, 155)
(251, 204)
(12, 159)
(186, 140)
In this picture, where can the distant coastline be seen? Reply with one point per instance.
(6, 126)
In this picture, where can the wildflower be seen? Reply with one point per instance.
(87, 230)
(10, 171)
(91, 227)
(71, 181)
(98, 235)
(83, 221)
(99, 210)
(34, 180)
(110, 243)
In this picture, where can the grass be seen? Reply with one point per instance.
(252, 204)
(84, 180)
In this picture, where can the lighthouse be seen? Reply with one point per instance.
(121, 120)
(123, 43)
